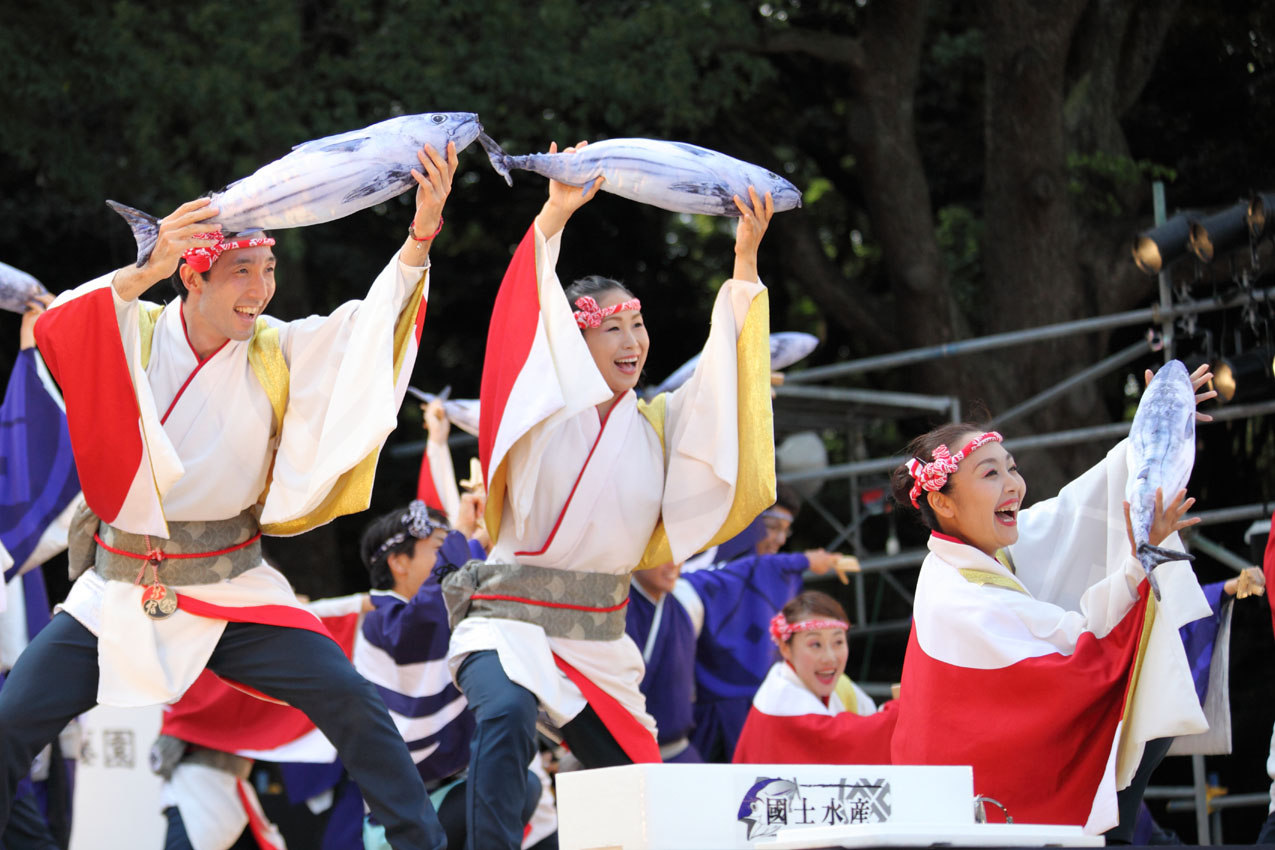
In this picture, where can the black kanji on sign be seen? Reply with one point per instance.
(118, 747)
(834, 813)
(777, 810)
(859, 811)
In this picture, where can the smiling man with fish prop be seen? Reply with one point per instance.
(673, 176)
(325, 179)
(18, 289)
(197, 426)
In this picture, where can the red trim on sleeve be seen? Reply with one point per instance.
(515, 316)
(425, 489)
(80, 341)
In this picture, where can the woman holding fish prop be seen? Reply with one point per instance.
(1044, 699)
(585, 484)
(197, 426)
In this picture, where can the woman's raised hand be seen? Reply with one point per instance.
(754, 218)
(564, 199)
(1200, 377)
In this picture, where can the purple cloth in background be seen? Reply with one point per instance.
(734, 650)
(37, 469)
(1199, 637)
(669, 680)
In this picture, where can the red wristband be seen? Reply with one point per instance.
(411, 231)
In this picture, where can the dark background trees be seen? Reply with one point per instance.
(969, 168)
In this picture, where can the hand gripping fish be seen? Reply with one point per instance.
(17, 288)
(324, 179)
(1161, 453)
(461, 412)
(673, 176)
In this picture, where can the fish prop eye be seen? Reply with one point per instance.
(439, 119)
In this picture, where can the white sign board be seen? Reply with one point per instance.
(116, 795)
(744, 806)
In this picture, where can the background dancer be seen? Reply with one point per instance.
(806, 711)
(195, 427)
(584, 485)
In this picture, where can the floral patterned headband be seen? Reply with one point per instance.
(781, 630)
(933, 475)
(590, 315)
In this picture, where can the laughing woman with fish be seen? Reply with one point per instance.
(585, 485)
(197, 426)
(1051, 702)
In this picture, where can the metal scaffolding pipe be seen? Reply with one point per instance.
(1091, 433)
(938, 403)
(1259, 510)
(1011, 338)
(1102, 367)
(1218, 553)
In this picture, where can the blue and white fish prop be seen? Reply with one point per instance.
(324, 179)
(461, 412)
(673, 176)
(17, 288)
(1161, 456)
(786, 348)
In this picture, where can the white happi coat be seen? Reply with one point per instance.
(211, 457)
(585, 493)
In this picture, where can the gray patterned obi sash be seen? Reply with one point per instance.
(566, 604)
(196, 553)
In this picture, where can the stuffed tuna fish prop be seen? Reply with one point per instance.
(673, 176)
(324, 179)
(1161, 456)
(17, 288)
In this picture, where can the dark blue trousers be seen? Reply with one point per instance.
(504, 742)
(56, 679)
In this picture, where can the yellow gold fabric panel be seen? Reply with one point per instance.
(982, 577)
(353, 490)
(847, 695)
(1006, 560)
(755, 481)
(1128, 751)
(146, 319)
(265, 356)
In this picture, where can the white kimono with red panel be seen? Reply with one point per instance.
(1069, 543)
(572, 490)
(1030, 694)
(788, 724)
(185, 440)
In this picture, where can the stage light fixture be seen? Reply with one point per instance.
(1261, 215)
(1246, 376)
(1218, 233)
(1156, 248)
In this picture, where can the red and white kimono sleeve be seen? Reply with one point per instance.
(91, 342)
(436, 485)
(1029, 694)
(1071, 542)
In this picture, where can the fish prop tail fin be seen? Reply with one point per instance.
(145, 229)
(499, 159)
(1153, 556)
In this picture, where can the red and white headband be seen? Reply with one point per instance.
(933, 475)
(590, 315)
(781, 630)
(201, 259)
